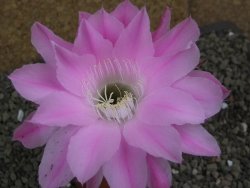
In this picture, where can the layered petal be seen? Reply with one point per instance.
(106, 24)
(172, 69)
(35, 81)
(83, 15)
(90, 41)
(159, 172)
(95, 181)
(204, 74)
(72, 69)
(41, 38)
(178, 38)
(196, 140)
(172, 106)
(62, 109)
(157, 140)
(91, 147)
(54, 170)
(33, 135)
(205, 91)
(164, 25)
(127, 168)
(125, 12)
(135, 42)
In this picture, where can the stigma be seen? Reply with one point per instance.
(116, 103)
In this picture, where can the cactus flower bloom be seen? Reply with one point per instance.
(120, 102)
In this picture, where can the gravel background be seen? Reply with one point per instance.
(227, 56)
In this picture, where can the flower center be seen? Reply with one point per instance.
(113, 88)
(116, 102)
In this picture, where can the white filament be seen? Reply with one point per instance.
(120, 112)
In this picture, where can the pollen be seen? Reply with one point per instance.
(116, 102)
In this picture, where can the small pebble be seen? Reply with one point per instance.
(224, 106)
(218, 181)
(174, 171)
(229, 163)
(195, 172)
(20, 115)
(230, 33)
(244, 127)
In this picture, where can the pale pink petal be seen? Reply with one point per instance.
(91, 147)
(106, 24)
(159, 172)
(196, 140)
(127, 168)
(35, 81)
(135, 42)
(174, 68)
(62, 109)
(72, 69)
(164, 25)
(205, 91)
(83, 15)
(178, 38)
(54, 170)
(170, 106)
(33, 135)
(203, 74)
(95, 181)
(90, 41)
(41, 38)
(157, 140)
(125, 12)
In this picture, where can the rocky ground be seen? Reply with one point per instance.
(226, 55)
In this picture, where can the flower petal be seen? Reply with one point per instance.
(205, 91)
(127, 168)
(89, 40)
(41, 38)
(35, 81)
(174, 68)
(196, 140)
(170, 106)
(125, 12)
(106, 24)
(91, 147)
(164, 25)
(54, 170)
(204, 74)
(135, 42)
(178, 38)
(83, 15)
(62, 109)
(157, 140)
(33, 135)
(72, 69)
(95, 181)
(159, 172)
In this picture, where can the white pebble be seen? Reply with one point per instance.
(230, 33)
(174, 171)
(195, 172)
(244, 127)
(229, 163)
(218, 181)
(20, 115)
(224, 105)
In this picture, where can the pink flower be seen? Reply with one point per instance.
(119, 102)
